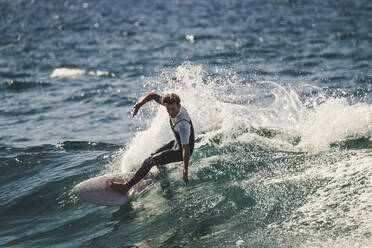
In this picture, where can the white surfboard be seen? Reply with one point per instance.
(97, 191)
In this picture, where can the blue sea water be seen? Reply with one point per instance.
(279, 93)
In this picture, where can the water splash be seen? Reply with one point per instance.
(222, 103)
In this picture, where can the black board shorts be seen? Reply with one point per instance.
(166, 154)
(169, 153)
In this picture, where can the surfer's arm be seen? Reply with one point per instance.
(149, 97)
(184, 132)
(186, 158)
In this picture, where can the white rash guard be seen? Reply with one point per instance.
(182, 126)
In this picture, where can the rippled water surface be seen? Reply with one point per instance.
(279, 93)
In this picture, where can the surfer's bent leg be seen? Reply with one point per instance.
(161, 158)
(165, 147)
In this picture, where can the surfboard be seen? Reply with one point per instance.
(96, 190)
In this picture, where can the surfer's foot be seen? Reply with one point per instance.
(119, 186)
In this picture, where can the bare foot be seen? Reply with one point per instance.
(119, 186)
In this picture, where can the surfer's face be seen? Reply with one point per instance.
(173, 109)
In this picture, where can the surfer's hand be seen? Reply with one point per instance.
(136, 107)
(185, 177)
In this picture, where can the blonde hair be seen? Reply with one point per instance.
(170, 98)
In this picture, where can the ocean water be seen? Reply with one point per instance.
(279, 93)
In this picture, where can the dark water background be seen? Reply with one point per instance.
(279, 93)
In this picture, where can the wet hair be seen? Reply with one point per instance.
(171, 98)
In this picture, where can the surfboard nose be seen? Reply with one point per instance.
(97, 191)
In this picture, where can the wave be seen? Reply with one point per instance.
(226, 107)
(71, 73)
(13, 75)
(16, 85)
(21, 168)
(282, 166)
(64, 145)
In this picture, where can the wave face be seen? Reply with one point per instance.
(280, 97)
(273, 165)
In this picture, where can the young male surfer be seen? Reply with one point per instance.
(179, 149)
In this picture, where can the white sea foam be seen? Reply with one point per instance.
(67, 72)
(71, 73)
(334, 121)
(223, 104)
(338, 213)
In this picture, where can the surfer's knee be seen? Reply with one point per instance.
(149, 162)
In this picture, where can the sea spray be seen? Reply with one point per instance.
(225, 105)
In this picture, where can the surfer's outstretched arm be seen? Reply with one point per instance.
(150, 96)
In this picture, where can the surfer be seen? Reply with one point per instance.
(179, 149)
